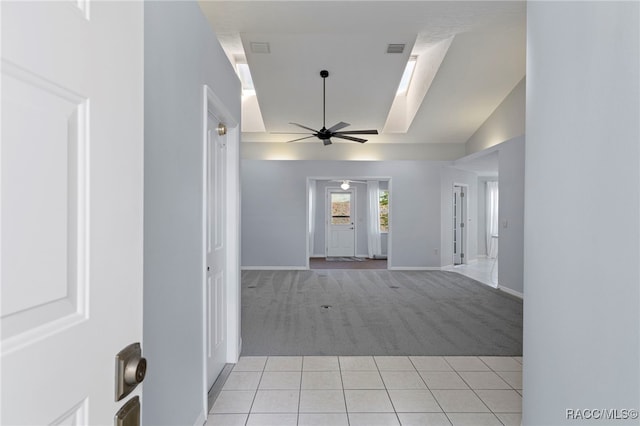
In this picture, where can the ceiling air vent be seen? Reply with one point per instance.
(260, 47)
(395, 48)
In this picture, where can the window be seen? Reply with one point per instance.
(384, 210)
(242, 69)
(340, 208)
(403, 88)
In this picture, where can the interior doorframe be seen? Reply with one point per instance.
(211, 102)
(465, 213)
(341, 177)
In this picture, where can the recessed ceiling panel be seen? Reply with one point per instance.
(361, 86)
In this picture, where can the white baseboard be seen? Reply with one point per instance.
(362, 255)
(321, 256)
(201, 420)
(414, 268)
(273, 268)
(446, 267)
(511, 292)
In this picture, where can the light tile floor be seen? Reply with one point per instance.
(482, 269)
(371, 391)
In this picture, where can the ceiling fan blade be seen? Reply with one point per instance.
(304, 127)
(358, 132)
(300, 139)
(288, 133)
(340, 125)
(349, 138)
(326, 142)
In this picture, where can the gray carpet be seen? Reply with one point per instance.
(375, 312)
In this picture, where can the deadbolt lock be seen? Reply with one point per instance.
(134, 372)
(131, 368)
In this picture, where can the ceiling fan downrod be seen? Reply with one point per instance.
(324, 74)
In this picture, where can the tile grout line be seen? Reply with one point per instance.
(387, 390)
(255, 395)
(344, 396)
(429, 389)
(300, 390)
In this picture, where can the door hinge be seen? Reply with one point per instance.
(462, 225)
(462, 195)
(461, 255)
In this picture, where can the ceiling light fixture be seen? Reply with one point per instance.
(406, 76)
(345, 185)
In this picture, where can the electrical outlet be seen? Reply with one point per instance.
(505, 224)
(436, 251)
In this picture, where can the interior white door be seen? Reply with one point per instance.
(72, 207)
(216, 249)
(459, 220)
(340, 223)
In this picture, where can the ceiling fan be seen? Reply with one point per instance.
(325, 134)
(346, 183)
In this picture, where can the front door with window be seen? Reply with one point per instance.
(341, 223)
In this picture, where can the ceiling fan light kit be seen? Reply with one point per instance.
(325, 134)
(346, 183)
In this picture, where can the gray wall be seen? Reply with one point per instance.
(511, 214)
(506, 122)
(181, 55)
(274, 209)
(582, 313)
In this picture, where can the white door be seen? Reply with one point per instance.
(216, 248)
(72, 207)
(459, 215)
(341, 223)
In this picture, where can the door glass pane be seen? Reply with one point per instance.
(340, 208)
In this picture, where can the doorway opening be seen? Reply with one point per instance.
(348, 223)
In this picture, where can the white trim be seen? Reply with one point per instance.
(414, 268)
(201, 420)
(510, 291)
(274, 268)
(448, 267)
